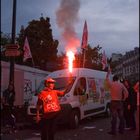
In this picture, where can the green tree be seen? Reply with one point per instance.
(93, 57)
(42, 45)
(5, 39)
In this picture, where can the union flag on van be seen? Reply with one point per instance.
(104, 61)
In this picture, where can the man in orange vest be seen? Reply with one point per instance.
(49, 103)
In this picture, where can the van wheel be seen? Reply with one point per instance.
(107, 112)
(74, 119)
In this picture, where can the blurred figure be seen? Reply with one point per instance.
(136, 88)
(130, 106)
(8, 107)
(118, 94)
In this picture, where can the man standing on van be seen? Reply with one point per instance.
(49, 103)
(118, 94)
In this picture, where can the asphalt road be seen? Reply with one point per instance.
(94, 128)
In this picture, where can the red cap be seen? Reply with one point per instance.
(50, 80)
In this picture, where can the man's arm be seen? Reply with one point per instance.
(125, 92)
(38, 107)
(60, 93)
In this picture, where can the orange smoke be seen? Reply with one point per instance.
(71, 57)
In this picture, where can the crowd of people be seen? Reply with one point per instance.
(124, 104)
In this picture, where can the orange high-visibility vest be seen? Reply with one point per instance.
(50, 100)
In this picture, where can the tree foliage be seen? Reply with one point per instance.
(93, 57)
(42, 45)
(44, 49)
(5, 39)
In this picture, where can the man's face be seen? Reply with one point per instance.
(51, 85)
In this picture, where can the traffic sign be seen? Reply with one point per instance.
(12, 46)
(12, 53)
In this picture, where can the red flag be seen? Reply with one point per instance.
(85, 37)
(108, 71)
(27, 52)
(104, 60)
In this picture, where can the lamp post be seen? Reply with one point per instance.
(12, 58)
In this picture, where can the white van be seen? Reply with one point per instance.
(87, 94)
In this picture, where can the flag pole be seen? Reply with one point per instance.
(33, 63)
(84, 56)
(27, 55)
(12, 59)
(84, 42)
(35, 74)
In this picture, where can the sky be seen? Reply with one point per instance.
(113, 24)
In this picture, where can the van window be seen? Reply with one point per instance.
(80, 88)
(60, 84)
(64, 83)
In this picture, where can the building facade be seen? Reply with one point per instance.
(128, 66)
(116, 57)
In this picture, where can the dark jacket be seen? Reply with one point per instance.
(9, 97)
(132, 99)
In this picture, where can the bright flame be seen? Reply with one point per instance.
(71, 57)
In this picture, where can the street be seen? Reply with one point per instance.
(91, 128)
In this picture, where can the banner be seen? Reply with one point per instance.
(104, 61)
(85, 37)
(27, 52)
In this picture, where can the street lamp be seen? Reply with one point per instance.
(12, 58)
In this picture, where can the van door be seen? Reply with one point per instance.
(83, 96)
(91, 103)
(81, 91)
(94, 105)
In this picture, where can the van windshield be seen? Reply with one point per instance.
(60, 84)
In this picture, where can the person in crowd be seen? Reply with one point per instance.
(118, 92)
(136, 88)
(130, 106)
(49, 104)
(8, 107)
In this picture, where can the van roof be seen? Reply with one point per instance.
(82, 72)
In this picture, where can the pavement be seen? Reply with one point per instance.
(89, 129)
